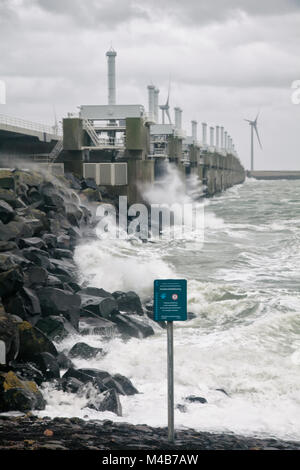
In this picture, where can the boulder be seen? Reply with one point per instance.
(85, 351)
(92, 195)
(106, 401)
(74, 182)
(29, 178)
(15, 229)
(128, 302)
(74, 213)
(11, 198)
(28, 371)
(62, 253)
(32, 242)
(19, 395)
(102, 306)
(56, 301)
(8, 246)
(11, 260)
(9, 334)
(129, 326)
(33, 341)
(55, 327)
(50, 240)
(89, 183)
(86, 375)
(38, 257)
(6, 212)
(52, 197)
(195, 399)
(47, 364)
(126, 384)
(71, 385)
(10, 282)
(95, 292)
(35, 276)
(25, 304)
(64, 362)
(7, 180)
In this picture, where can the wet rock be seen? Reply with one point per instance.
(86, 375)
(102, 306)
(84, 351)
(61, 254)
(25, 304)
(35, 276)
(55, 327)
(63, 241)
(11, 281)
(15, 229)
(9, 334)
(8, 246)
(29, 178)
(74, 182)
(195, 399)
(34, 242)
(107, 401)
(129, 326)
(64, 362)
(52, 197)
(128, 302)
(191, 315)
(19, 395)
(74, 214)
(50, 240)
(33, 341)
(222, 391)
(6, 212)
(47, 364)
(89, 183)
(95, 292)
(11, 198)
(56, 301)
(28, 371)
(181, 408)
(92, 195)
(7, 180)
(71, 385)
(127, 386)
(38, 257)
(54, 281)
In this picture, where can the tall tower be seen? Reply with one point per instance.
(111, 68)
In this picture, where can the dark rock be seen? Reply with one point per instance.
(86, 375)
(28, 371)
(74, 182)
(47, 364)
(71, 385)
(9, 334)
(7, 180)
(63, 241)
(33, 341)
(92, 195)
(128, 302)
(222, 391)
(29, 178)
(50, 240)
(10, 260)
(95, 292)
(126, 384)
(130, 326)
(64, 362)
(19, 395)
(10, 282)
(6, 212)
(107, 401)
(61, 254)
(56, 301)
(55, 327)
(38, 257)
(74, 214)
(11, 198)
(52, 197)
(54, 281)
(84, 350)
(15, 229)
(34, 242)
(102, 306)
(89, 183)
(36, 276)
(25, 304)
(194, 399)
(8, 246)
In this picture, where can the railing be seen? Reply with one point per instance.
(35, 126)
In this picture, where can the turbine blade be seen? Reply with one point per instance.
(257, 135)
(167, 102)
(257, 117)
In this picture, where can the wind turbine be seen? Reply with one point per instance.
(165, 109)
(253, 125)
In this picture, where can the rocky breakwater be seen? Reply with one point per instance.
(41, 221)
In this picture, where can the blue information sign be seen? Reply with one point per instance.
(170, 300)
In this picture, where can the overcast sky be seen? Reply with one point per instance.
(226, 59)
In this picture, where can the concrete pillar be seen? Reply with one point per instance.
(218, 137)
(204, 133)
(225, 140)
(194, 131)
(111, 63)
(178, 118)
(151, 99)
(156, 105)
(212, 136)
(222, 138)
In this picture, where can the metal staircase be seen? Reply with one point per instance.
(55, 151)
(89, 128)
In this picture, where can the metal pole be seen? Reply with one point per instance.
(170, 382)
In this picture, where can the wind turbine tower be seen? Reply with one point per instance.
(253, 125)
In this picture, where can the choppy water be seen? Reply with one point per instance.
(244, 286)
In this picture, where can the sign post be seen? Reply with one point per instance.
(170, 304)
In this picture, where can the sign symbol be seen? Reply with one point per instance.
(174, 296)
